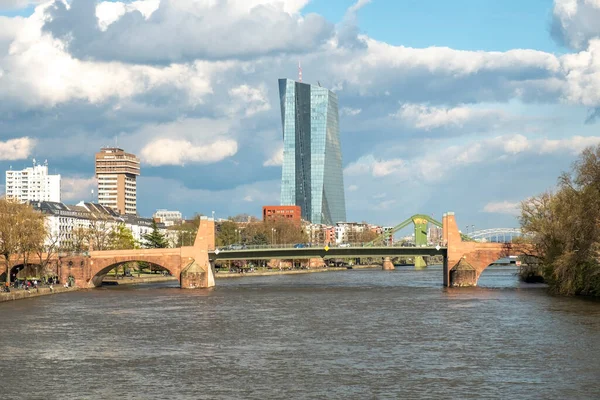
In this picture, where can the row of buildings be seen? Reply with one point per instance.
(340, 232)
(65, 221)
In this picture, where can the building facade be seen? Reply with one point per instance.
(33, 184)
(116, 172)
(64, 223)
(290, 213)
(169, 218)
(312, 157)
(320, 234)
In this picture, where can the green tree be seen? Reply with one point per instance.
(186, 232)
(563, 228)
(227, 233)
(155, 239)
(121, 238)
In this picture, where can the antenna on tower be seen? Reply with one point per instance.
(299, 72)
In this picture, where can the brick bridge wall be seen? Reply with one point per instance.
(190, 265)
(467, 259)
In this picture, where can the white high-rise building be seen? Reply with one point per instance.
(33, 184)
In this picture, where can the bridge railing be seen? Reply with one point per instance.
(237, 247)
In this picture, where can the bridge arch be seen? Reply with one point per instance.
(99, 276)
(98, 267)
(30, 269)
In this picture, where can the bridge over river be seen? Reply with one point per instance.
(464, 260)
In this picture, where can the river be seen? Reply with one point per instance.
(356, 334)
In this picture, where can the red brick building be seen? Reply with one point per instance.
(292, 213)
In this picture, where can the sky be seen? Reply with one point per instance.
(468, 106)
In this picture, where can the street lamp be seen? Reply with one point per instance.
(213, 215)
(273, 230)
(472, 228)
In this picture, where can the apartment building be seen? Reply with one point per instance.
(33, 184)
(116, 172)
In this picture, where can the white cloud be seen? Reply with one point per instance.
(575, 22)
(178, 152)
(184, 30)
(15, 4)
(39, 72)
(276, 159)
(503, 207)
(376, 167)
(516, 144)
(351, 112)
(423, 116)
(582, 72)
(108, 12)
(76, 189)
(251, 100)
(442, 160)
(16, 149)
(358, 5)
(574, 144)
(383, 168)
(352, 188)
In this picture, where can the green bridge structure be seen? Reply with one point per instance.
(378, 247)
(464, 259)
(421, 223)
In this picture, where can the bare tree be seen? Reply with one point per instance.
(79, 240)
(20, 228)
(99, 234)
(47, 249)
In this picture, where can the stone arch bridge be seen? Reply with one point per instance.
(190, 264)
(464, 261)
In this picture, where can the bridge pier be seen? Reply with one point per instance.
(388, 265)
(465, 261)
(420, 262)
(193, 276)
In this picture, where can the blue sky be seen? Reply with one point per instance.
(460, 24)
(467, 105)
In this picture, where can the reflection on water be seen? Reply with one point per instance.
(348, 335)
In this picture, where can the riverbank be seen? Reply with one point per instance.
(18, 294)
(223, 275)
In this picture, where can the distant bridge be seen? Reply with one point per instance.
(496, 233)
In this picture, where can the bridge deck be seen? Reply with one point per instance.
(336, 252)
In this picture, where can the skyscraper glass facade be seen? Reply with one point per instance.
(312, 156)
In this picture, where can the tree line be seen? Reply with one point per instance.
(562, 230)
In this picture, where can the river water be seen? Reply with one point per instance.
(357, 334)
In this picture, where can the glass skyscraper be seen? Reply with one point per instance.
(312, 157)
